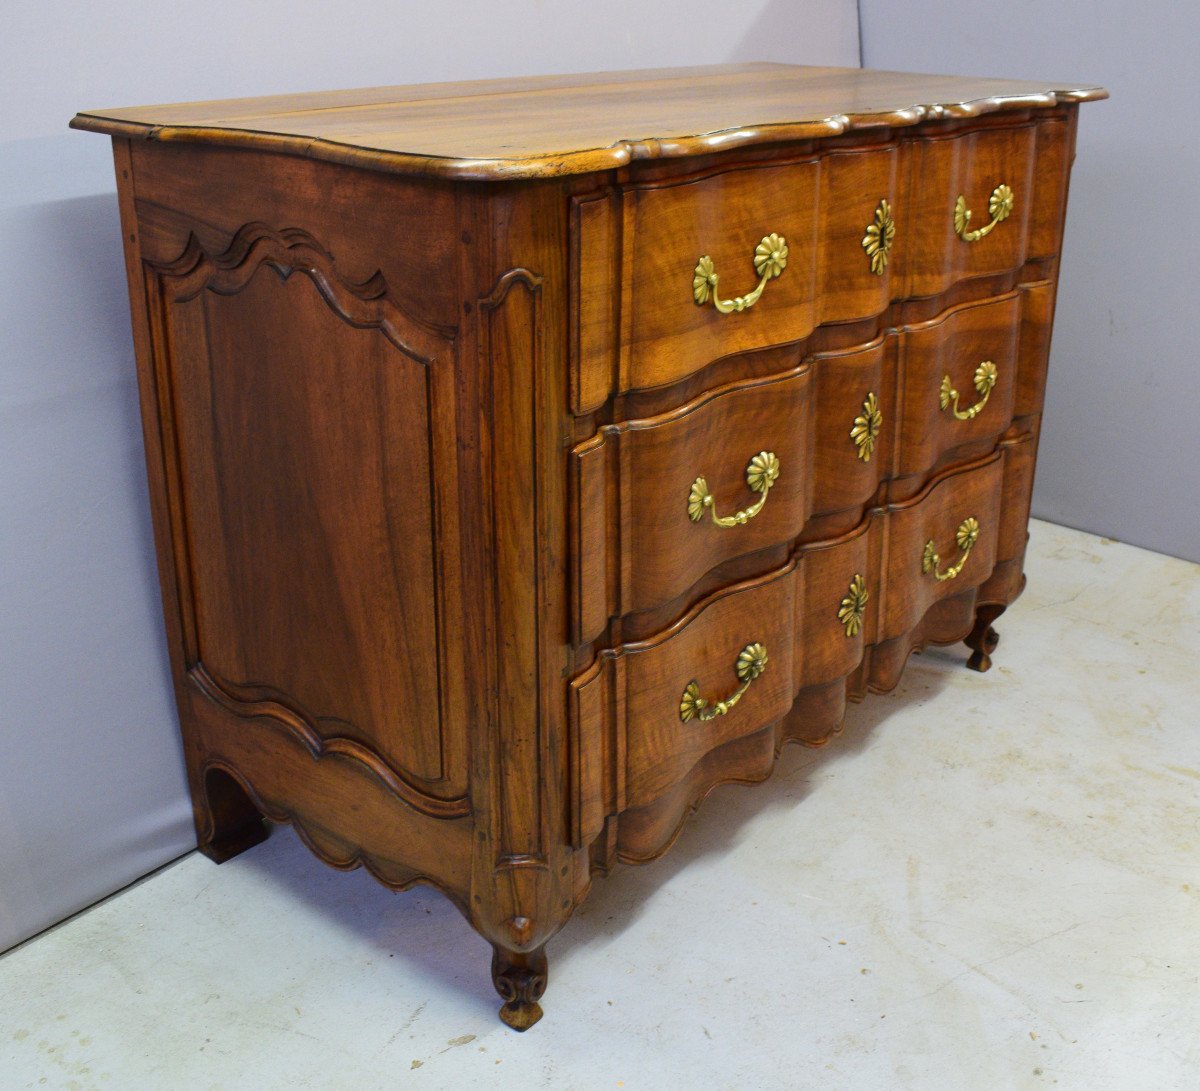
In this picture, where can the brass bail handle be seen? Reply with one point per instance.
(985, 378)
(965, 536)
(1000, 206)
(761, 473)
(770, 260)
(751, 662)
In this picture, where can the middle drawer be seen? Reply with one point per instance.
(663, 500)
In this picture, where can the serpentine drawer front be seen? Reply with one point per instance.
(721, 476)
(810, 620)
(497, 523)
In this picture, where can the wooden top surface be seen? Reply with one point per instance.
(556, 125)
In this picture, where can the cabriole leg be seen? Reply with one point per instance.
(982, 639)
(520, 979)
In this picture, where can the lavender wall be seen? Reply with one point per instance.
(92, 790)
(1120, 453)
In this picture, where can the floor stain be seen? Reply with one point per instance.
(913, 890)
(415, 1015)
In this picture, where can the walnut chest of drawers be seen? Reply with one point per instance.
(529, 457)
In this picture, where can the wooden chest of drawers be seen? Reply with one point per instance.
(529, 457)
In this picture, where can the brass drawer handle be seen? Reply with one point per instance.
(877, 242)
(854, 605)
(761, 473)
(770, 259)
(751, 662)
(1000, 205)
(966, 536)
(985, 382)
(866, 427)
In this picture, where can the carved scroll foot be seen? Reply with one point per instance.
(520, 979)
(982, 639)
(227, 823)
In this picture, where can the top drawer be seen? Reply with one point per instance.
(786, 247)
(726, 262)
(984, 201)
(742, 238)
(971, 206)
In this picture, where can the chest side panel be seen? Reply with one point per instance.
(311, 456)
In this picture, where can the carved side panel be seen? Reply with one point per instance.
(342, 808)
(306, 459)
(524, 880)
(519, 772)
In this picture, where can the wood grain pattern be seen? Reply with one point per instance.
(970, 164)
(794, 613)
(704, 647)
(525, 878)
(910, 592)
(724, 215)
(649, 466)
(370, 593)
(954, 345)
(643, 834)
(844, 480)
(854, 180)
(420, 452)
(638, 551)
(348, 211)
(397, 844)
(559, 125)
(822, 205)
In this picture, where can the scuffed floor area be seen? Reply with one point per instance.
(987, 881)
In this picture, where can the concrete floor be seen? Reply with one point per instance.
(988, 881)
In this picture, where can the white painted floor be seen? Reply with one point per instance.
(988, 881)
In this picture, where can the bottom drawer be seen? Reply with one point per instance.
(645, 714)
(722, 671)
(940, 543)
